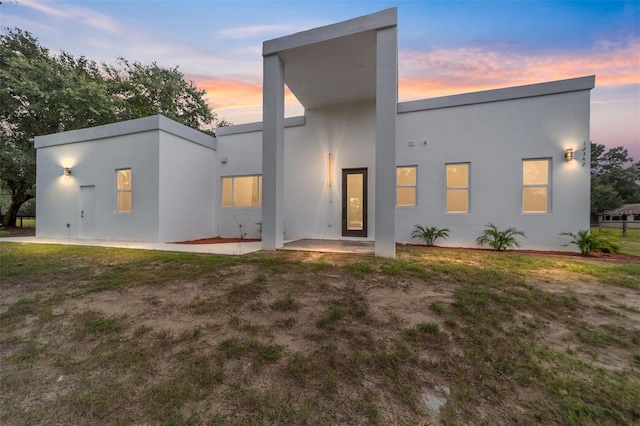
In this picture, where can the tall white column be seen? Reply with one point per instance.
(272, 153)
(386, 117)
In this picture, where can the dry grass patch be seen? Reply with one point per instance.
(135, 337)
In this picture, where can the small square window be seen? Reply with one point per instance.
(242, 191)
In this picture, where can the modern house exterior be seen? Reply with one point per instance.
(358, 165)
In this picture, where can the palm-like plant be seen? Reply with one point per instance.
(588, 242)
(499, 240)
(429, 234)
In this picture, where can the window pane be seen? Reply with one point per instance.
(355, 216)
(123, 178)
(406, 197)
(457, 201)
(534, 200)
(457, 175)
(227, 192)
(246, 191)
(535, 172)
(406, 176)
(123, 202)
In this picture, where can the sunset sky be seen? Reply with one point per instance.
(445, 47)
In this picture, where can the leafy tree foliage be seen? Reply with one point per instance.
(614, 178)
(41, 93)
(143, 90)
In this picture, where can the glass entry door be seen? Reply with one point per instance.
(354, 202)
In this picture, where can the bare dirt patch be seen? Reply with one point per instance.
(307, 338)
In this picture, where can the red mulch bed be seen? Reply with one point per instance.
(219, 240)
(614, 257)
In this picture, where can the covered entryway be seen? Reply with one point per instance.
(349, 63)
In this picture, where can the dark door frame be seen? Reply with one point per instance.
(345, 231)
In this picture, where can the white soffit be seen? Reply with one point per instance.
(333, 64)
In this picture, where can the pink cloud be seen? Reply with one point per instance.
(449, 71)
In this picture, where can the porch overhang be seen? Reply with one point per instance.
(351, 61)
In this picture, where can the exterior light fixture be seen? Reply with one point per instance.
(67, 171)
(330, 170)
(568, 154)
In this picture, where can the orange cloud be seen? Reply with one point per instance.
(236, 100)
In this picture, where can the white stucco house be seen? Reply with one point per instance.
(358, 165)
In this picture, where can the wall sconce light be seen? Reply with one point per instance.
(67, 171)
(568, 154)
(330, 170)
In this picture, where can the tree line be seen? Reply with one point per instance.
(43, 93)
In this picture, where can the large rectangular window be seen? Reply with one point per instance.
(242, 191)
(458, 188)
(406, 181)
(123, 191)
(535, 186)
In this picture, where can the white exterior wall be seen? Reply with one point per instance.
(95, 163)
(495, 137)
(312, 209)
(172, 168)
(188, 190)
(243, 153)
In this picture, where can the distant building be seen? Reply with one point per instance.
(627, 214)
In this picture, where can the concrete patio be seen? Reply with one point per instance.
(331, 246)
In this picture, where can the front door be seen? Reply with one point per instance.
(354, 202)
(87, 211)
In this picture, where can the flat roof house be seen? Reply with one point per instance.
(358, 165)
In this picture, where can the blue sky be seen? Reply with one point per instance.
(445, 47)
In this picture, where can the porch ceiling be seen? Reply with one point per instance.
(331, 72)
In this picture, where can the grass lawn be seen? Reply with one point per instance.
(629, 243)
(112, 336)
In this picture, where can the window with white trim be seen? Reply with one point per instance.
(458, 188)
(406, 181)
(535, 185)
(242, 191)
(123, 191)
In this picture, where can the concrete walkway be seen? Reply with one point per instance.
(226, 248)
(234, 249)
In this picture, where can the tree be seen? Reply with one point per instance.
(143, 90)
(614, 178)
(42, 94)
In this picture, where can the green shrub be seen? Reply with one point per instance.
(596, 241)
(499, 240)
(429, 234)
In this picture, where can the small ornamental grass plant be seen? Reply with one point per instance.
(499, 240)
(429, 234)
